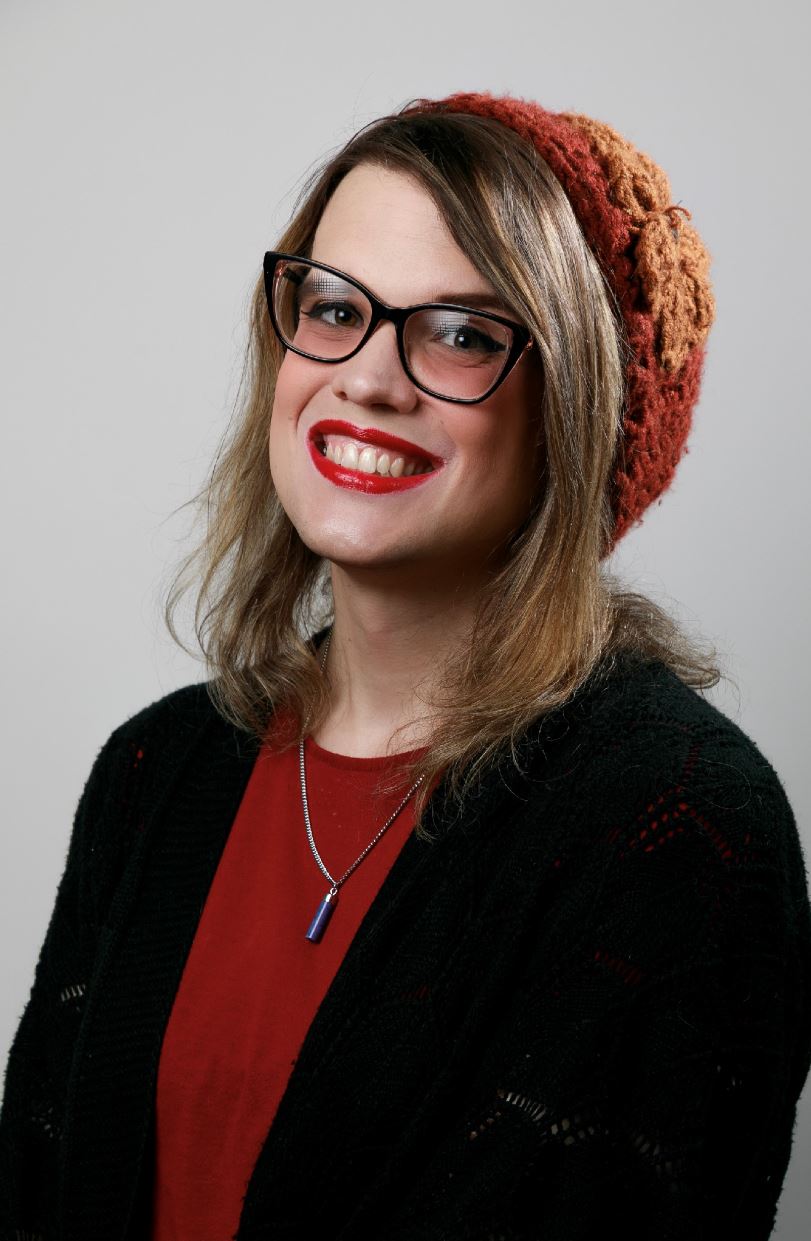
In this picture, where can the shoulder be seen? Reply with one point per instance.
(673, 835)
(182, 711)
(143, 753)
(638, 715)
(647, 770)
(168, 726)
(649, 697)
(169, 741)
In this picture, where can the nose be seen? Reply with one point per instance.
(375, 375)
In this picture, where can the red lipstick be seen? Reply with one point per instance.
(368, 435)
(359, 480)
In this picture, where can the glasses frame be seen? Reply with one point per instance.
(399, 316)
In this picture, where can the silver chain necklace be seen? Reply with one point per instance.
(327, 907)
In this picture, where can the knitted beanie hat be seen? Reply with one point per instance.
(654, 262)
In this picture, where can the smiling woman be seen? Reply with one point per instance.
(447, 905)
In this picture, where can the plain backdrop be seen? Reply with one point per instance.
(150, 155)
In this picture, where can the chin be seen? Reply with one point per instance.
(328, 541)
(355, 550)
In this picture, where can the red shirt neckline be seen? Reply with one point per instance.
(356, 762)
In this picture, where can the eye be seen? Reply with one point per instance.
(470, 339)
(333, 314)
(464, 336)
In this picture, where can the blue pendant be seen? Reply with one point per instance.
(323, 914)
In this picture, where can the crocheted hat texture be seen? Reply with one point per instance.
(654, 262)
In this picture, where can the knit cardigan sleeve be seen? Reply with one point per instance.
(648, 1083)
(36, 1087)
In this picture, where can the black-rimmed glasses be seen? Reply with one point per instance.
(452, 352)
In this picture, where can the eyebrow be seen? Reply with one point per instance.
(477, 301)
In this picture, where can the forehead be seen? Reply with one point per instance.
(383, 228)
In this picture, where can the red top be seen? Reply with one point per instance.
(230, 1045)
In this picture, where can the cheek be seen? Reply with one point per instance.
(274, 438)
(288, 394)
(510, 445)
(295, 386)
(297, 382)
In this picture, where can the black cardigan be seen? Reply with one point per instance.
(584, 1011)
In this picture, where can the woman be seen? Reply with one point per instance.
(447, 907)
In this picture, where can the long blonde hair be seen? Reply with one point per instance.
(551, 615)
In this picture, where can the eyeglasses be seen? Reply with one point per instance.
(452, 352)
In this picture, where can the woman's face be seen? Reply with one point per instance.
(382, 228)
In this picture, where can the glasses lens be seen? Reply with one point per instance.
(318, 312)
(456, 353)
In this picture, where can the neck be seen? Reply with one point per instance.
(386, 655)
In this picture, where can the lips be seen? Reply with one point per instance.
(369, 435)
(359, 480)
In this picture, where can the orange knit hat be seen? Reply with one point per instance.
(654, 262)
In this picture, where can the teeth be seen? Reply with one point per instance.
(371, 460)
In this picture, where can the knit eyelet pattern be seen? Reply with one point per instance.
(655, 264)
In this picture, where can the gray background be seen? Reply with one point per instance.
(149, 152)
